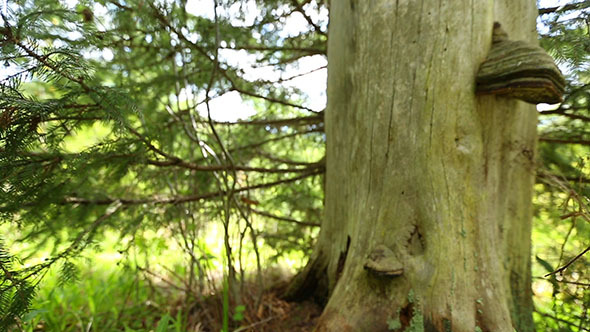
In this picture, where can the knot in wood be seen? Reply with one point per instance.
(498, 34)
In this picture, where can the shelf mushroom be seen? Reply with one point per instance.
(519, 70)
(382, 262)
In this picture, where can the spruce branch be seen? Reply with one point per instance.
(216, 168)
(184, 199)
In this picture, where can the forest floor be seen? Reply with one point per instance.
(123, 302)
(297, 317)
(267, 312)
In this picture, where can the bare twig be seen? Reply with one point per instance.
(563, 113)
(564, 141)
(264, 321)
(555, 318)
(306, 120)
(217, 168)
(577, 179)
(310, 50)
(298, 222)
(561, 269)
(184, 199)
(565, 8)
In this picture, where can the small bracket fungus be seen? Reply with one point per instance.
(382, 262)
(519, 70)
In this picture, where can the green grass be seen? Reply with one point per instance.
(105, 298)
(108, 293)
(112, 293)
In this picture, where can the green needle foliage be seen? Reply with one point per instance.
(16, 292)
(105, 125)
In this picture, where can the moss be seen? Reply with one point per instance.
(417, 322)
(447, 325)
(411, 296)
(393, 324)
(463, 233)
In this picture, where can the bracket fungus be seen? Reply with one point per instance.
(519, 70)
(382, 262)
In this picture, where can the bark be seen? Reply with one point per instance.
(416, 162)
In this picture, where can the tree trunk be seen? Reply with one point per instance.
(428, 186)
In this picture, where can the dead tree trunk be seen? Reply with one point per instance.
(428, 188)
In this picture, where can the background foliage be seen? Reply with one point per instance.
(561, 232)
(130, 203)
